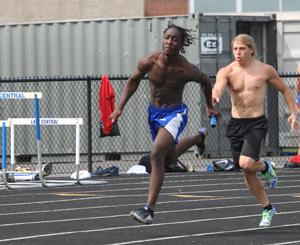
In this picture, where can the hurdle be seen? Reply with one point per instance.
(5, 124)
(5, 172)
(37, 121)
(11, 123)
(77, 123)
(50, 122)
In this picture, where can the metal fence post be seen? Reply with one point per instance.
(89, 122)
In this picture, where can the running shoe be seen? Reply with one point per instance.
(200, 148)
(267, 216)
(270, 176)
(143, 215)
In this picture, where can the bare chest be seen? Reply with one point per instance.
(168, 76)
(245, 81)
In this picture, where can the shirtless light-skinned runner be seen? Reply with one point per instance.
(246, 79)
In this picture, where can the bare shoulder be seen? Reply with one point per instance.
(191, 68)
(147, 61)
(268, 69)
(193, 71)
(298, 69)
(182, 61)
(152, 57)
(226, 70)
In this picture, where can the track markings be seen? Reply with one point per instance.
(195, 196)
(66, 194)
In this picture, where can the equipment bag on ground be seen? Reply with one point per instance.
(176, 167)
(225, 165)
(293, 162)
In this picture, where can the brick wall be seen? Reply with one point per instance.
(28, 11)
(166, 7)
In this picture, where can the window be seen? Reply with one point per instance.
(290, 5)
(260, 5)
(214, 6)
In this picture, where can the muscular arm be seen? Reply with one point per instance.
(203, 79)
(219, 87)
(280, 85)
(131, 86)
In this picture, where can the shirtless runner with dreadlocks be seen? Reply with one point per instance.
(168, 72)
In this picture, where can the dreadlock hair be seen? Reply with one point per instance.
(186, 37)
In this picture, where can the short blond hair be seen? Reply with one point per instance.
(247, 40)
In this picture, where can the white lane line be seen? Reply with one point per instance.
(161, 212)
(139, 184)
(105, 189)
(143, 195)
(146, 188)
(140, 204)
(205, 234)
(157, 225)
(285, 243)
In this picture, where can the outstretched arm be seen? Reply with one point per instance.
(130, 87)
(219, 87)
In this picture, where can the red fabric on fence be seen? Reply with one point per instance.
(295, 159)
(106, 103)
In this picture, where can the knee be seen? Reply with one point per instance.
(156, 157)
(247, 164)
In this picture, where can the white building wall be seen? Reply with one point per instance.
(288, 41)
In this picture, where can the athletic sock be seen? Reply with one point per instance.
(149, 210)
(268, 207)
(266, 169)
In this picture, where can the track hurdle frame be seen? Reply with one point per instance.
(77, 122)
(5, 124)
(36, 121)
(13, 185)
(51, 122)
(77, 162)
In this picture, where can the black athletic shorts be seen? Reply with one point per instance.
(246, 136)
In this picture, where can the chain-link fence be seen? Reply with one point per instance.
(78, 97)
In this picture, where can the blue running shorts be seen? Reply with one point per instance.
(172, 119)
